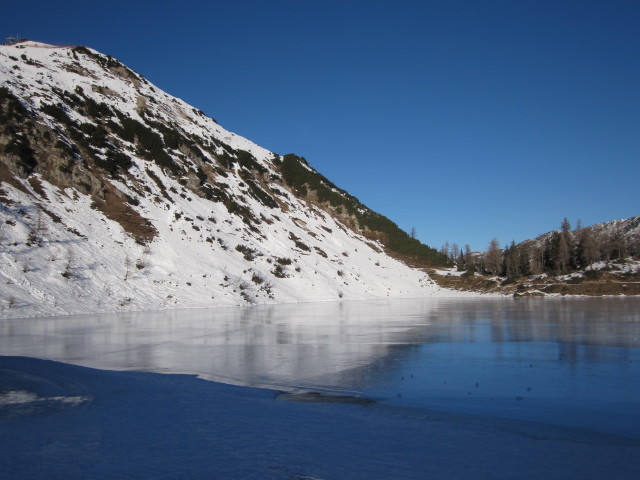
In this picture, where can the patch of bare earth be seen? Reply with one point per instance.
(117, 209)
(8, 177)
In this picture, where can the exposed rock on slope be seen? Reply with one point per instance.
(116, 195)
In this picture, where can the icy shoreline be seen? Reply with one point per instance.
(143, 425)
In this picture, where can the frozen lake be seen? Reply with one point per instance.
(566, 362)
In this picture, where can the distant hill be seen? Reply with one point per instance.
(116, 195)
(602, 259)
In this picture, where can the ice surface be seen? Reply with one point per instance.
(145, 425)
(439, 389)
(568, 362)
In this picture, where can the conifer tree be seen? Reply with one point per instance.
(468, 260)
(588, 249)
(525, 259)
(563, 254)
(550, 257)
(512, 260)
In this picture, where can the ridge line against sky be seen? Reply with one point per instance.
(467, 120)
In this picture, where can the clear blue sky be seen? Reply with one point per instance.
(467, 120)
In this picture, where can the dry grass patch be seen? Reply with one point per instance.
(117, 209)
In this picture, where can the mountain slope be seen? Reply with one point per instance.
(116, 195)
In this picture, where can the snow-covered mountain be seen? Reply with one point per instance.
(116, 195)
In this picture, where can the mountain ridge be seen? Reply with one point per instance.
(111, 186)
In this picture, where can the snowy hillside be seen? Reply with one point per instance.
(116, 195)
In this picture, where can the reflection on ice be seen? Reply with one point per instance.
(565, 361)
(263, 345)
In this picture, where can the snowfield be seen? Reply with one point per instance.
(106, 270)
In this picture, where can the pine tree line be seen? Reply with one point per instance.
(560, 252)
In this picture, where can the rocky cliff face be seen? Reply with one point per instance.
(116, 195)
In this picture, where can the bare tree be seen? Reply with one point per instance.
(493, 257)
(69, 264)
(536, 260)
(455, 252)
(11, 302)
(444, 250)
(38, 230)
(617, 244)
(634, 245)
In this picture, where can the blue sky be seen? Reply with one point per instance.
(467, 120)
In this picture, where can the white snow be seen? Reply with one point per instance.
(454, 272)
(16, 397)
(629, 266)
